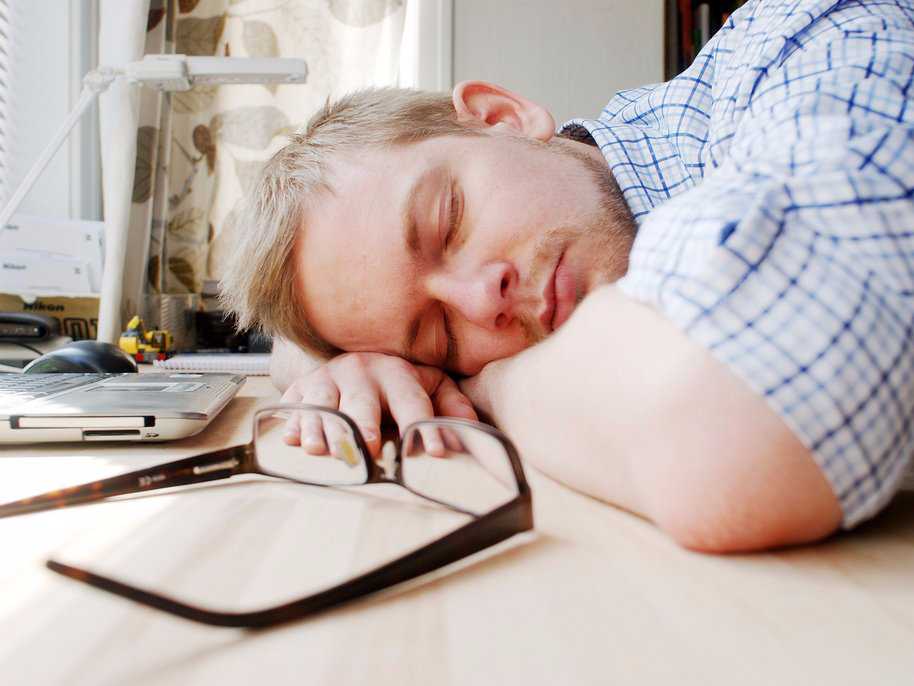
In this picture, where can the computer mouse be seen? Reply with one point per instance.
(83, 356)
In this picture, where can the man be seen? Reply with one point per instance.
(697, 307)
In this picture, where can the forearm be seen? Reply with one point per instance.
(623, 406)
(576, 404)
(288, 362)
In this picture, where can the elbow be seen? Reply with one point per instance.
(732, 512)
(727, 474)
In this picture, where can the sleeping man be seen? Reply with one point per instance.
(697, 306)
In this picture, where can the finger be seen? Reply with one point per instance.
(308, 425)
(281, 420)
(434, 443)
(339, 438)
(408, 400)
(360, 397)
(291, 433)
(307, 428)
(449, 401)
(312, 431)
(452, 440)
(363, 406)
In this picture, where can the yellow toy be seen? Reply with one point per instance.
(144, 345)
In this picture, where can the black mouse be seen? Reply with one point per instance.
(83, 356)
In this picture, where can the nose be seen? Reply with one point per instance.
(483, 296)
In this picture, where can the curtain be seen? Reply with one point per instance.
(198, 151)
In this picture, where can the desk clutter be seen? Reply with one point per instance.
(191, 326)
(26, 336)
(51, 256)
(190, 332)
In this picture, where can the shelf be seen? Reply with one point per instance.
(689, 24)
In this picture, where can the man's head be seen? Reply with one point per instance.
(450, 231)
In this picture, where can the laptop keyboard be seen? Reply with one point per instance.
(19, 388)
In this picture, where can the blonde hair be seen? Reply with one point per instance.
(259, 285)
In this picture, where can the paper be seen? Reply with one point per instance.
(249, 364)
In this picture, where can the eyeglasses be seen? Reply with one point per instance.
(497, 500)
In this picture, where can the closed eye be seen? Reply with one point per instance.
(454, 212)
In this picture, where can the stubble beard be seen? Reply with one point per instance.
(609, 230)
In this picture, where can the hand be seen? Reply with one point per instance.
(365, 385)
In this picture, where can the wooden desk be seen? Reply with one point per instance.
(596, 596)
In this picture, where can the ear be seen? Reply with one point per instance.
(493, 105)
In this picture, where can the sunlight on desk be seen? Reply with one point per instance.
(597, 596)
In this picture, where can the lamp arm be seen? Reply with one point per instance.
(94, 83)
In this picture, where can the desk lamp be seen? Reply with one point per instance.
(164, 73)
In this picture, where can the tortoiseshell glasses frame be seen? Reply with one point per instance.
(484, 530)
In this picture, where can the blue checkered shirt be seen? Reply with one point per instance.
(772, 183)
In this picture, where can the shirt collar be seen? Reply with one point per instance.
(645, 163)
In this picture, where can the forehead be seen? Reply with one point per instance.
(350, 242)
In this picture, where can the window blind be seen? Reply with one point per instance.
(6, 58)
(46, 46)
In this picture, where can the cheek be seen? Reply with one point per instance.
(503, 212)
(504, 227)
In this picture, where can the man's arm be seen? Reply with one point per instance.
(621, 405)
(288, 362)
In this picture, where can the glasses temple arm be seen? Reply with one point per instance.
(500, 524)
(219, 464)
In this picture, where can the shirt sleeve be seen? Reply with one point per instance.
(793, 260)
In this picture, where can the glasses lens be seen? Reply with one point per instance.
(475, 473)
(335, 461)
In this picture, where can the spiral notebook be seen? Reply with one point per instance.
(249, 364)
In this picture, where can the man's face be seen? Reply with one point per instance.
(458, 251)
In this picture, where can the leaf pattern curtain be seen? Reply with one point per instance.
(198, 151)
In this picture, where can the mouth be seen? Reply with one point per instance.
(558, 296)
(566, 291)
(549, 300)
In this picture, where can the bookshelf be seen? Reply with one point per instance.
(688, 25)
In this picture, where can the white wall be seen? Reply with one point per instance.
(570, 55)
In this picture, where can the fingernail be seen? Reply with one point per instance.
(312, 442)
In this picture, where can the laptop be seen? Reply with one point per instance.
(44, 408)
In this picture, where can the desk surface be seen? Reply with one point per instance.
(595, 596)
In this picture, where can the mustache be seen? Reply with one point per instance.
(546, 251)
